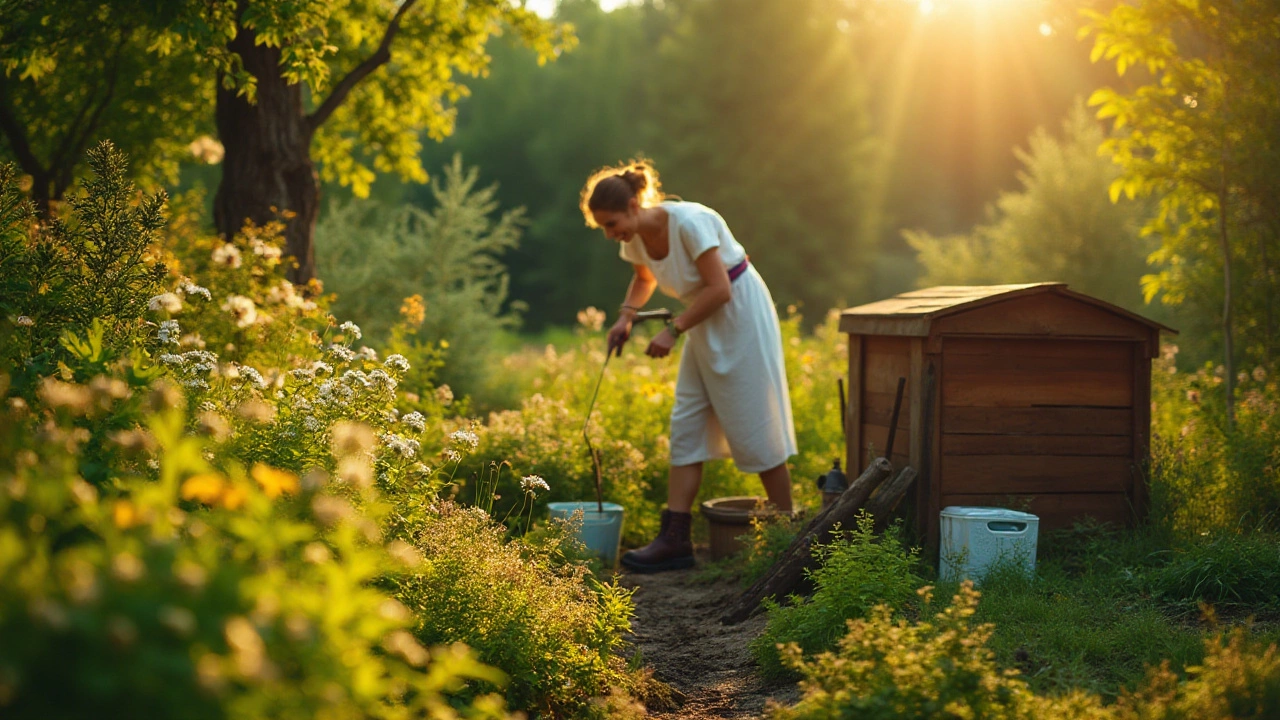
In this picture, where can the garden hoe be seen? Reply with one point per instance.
(665, 316)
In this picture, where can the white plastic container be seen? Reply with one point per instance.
(974, 539)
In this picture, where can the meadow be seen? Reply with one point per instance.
(217, 500)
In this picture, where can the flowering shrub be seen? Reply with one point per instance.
(520, 608)
(887, 667)
(197, 591)
(228, 548)
(1209, 475)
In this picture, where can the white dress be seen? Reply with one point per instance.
(731, 393)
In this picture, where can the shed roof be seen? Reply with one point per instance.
(911, 313)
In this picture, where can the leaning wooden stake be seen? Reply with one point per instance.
(882, 504)
(787, 573)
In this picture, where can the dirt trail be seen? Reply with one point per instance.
(677, 632)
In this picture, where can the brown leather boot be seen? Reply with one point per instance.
(671, 550)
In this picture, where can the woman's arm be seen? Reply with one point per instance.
(716, 291)
(643, 283)
(639, 291)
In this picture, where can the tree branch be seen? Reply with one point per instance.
(72, 149)
(344, 87)
(14, 130)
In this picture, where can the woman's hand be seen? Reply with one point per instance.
(619, 334)
(661, 345)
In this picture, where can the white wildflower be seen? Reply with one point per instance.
(227, 254)
(367, 353)
(591, 318)
(265, 250)
(25, 321)
(207, 149)
(167, 302)
(451, 455)
(352, 328)
(404, 447)
(356, 377)
(187, 289)
(242, 308)
(311, 423)
(381, 378)
(169, 332)
(397, 362)
(171, 359)
(342, 352)
(195, 384)
(321, 368)
(533, 483)
(253, 377)
(303, 375)
(301, 404)
(207, 406)
(465, 438)
(415, 421)
(282, 294)
(444, 394)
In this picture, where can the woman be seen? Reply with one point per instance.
(731, 393)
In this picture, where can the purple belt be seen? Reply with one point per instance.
(736, 271)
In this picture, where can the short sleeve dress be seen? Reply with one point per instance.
(731, 394)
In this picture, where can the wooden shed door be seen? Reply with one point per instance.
(1043, 422)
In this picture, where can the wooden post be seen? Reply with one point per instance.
(1141, 426)
(853, 412)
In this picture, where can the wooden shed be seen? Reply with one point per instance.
(1033, 396)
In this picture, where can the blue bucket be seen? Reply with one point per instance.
(600, 532)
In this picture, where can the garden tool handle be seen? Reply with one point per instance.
(662, 314)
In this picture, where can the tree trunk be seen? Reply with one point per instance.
(267, 168)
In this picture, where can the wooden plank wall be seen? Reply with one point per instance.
(884, 360)
(1049, 422)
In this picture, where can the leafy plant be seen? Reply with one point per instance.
(857, 572)
(95, 263)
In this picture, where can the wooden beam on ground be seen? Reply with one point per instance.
(787, 573)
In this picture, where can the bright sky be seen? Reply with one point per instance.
(546, 7)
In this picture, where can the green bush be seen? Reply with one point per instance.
(199, 591)
(1208, 474)
(546, 624)
(450, 255)
(94, 264)
(858, 571)
(235, 549)
(893, 668)
(1238, 680)
(887, 667)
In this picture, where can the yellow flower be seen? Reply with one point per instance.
(444, 344)
(205, 487)
(124, 514)
(274, 482)
(233, 497)
(413, 310)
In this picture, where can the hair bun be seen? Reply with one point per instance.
(636, 177)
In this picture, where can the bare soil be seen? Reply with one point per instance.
(678, 634)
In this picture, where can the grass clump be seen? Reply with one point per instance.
(857, 572)
(1225, 569)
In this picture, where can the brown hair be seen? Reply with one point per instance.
(612, 188)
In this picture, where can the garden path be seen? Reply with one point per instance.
(678, 634)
